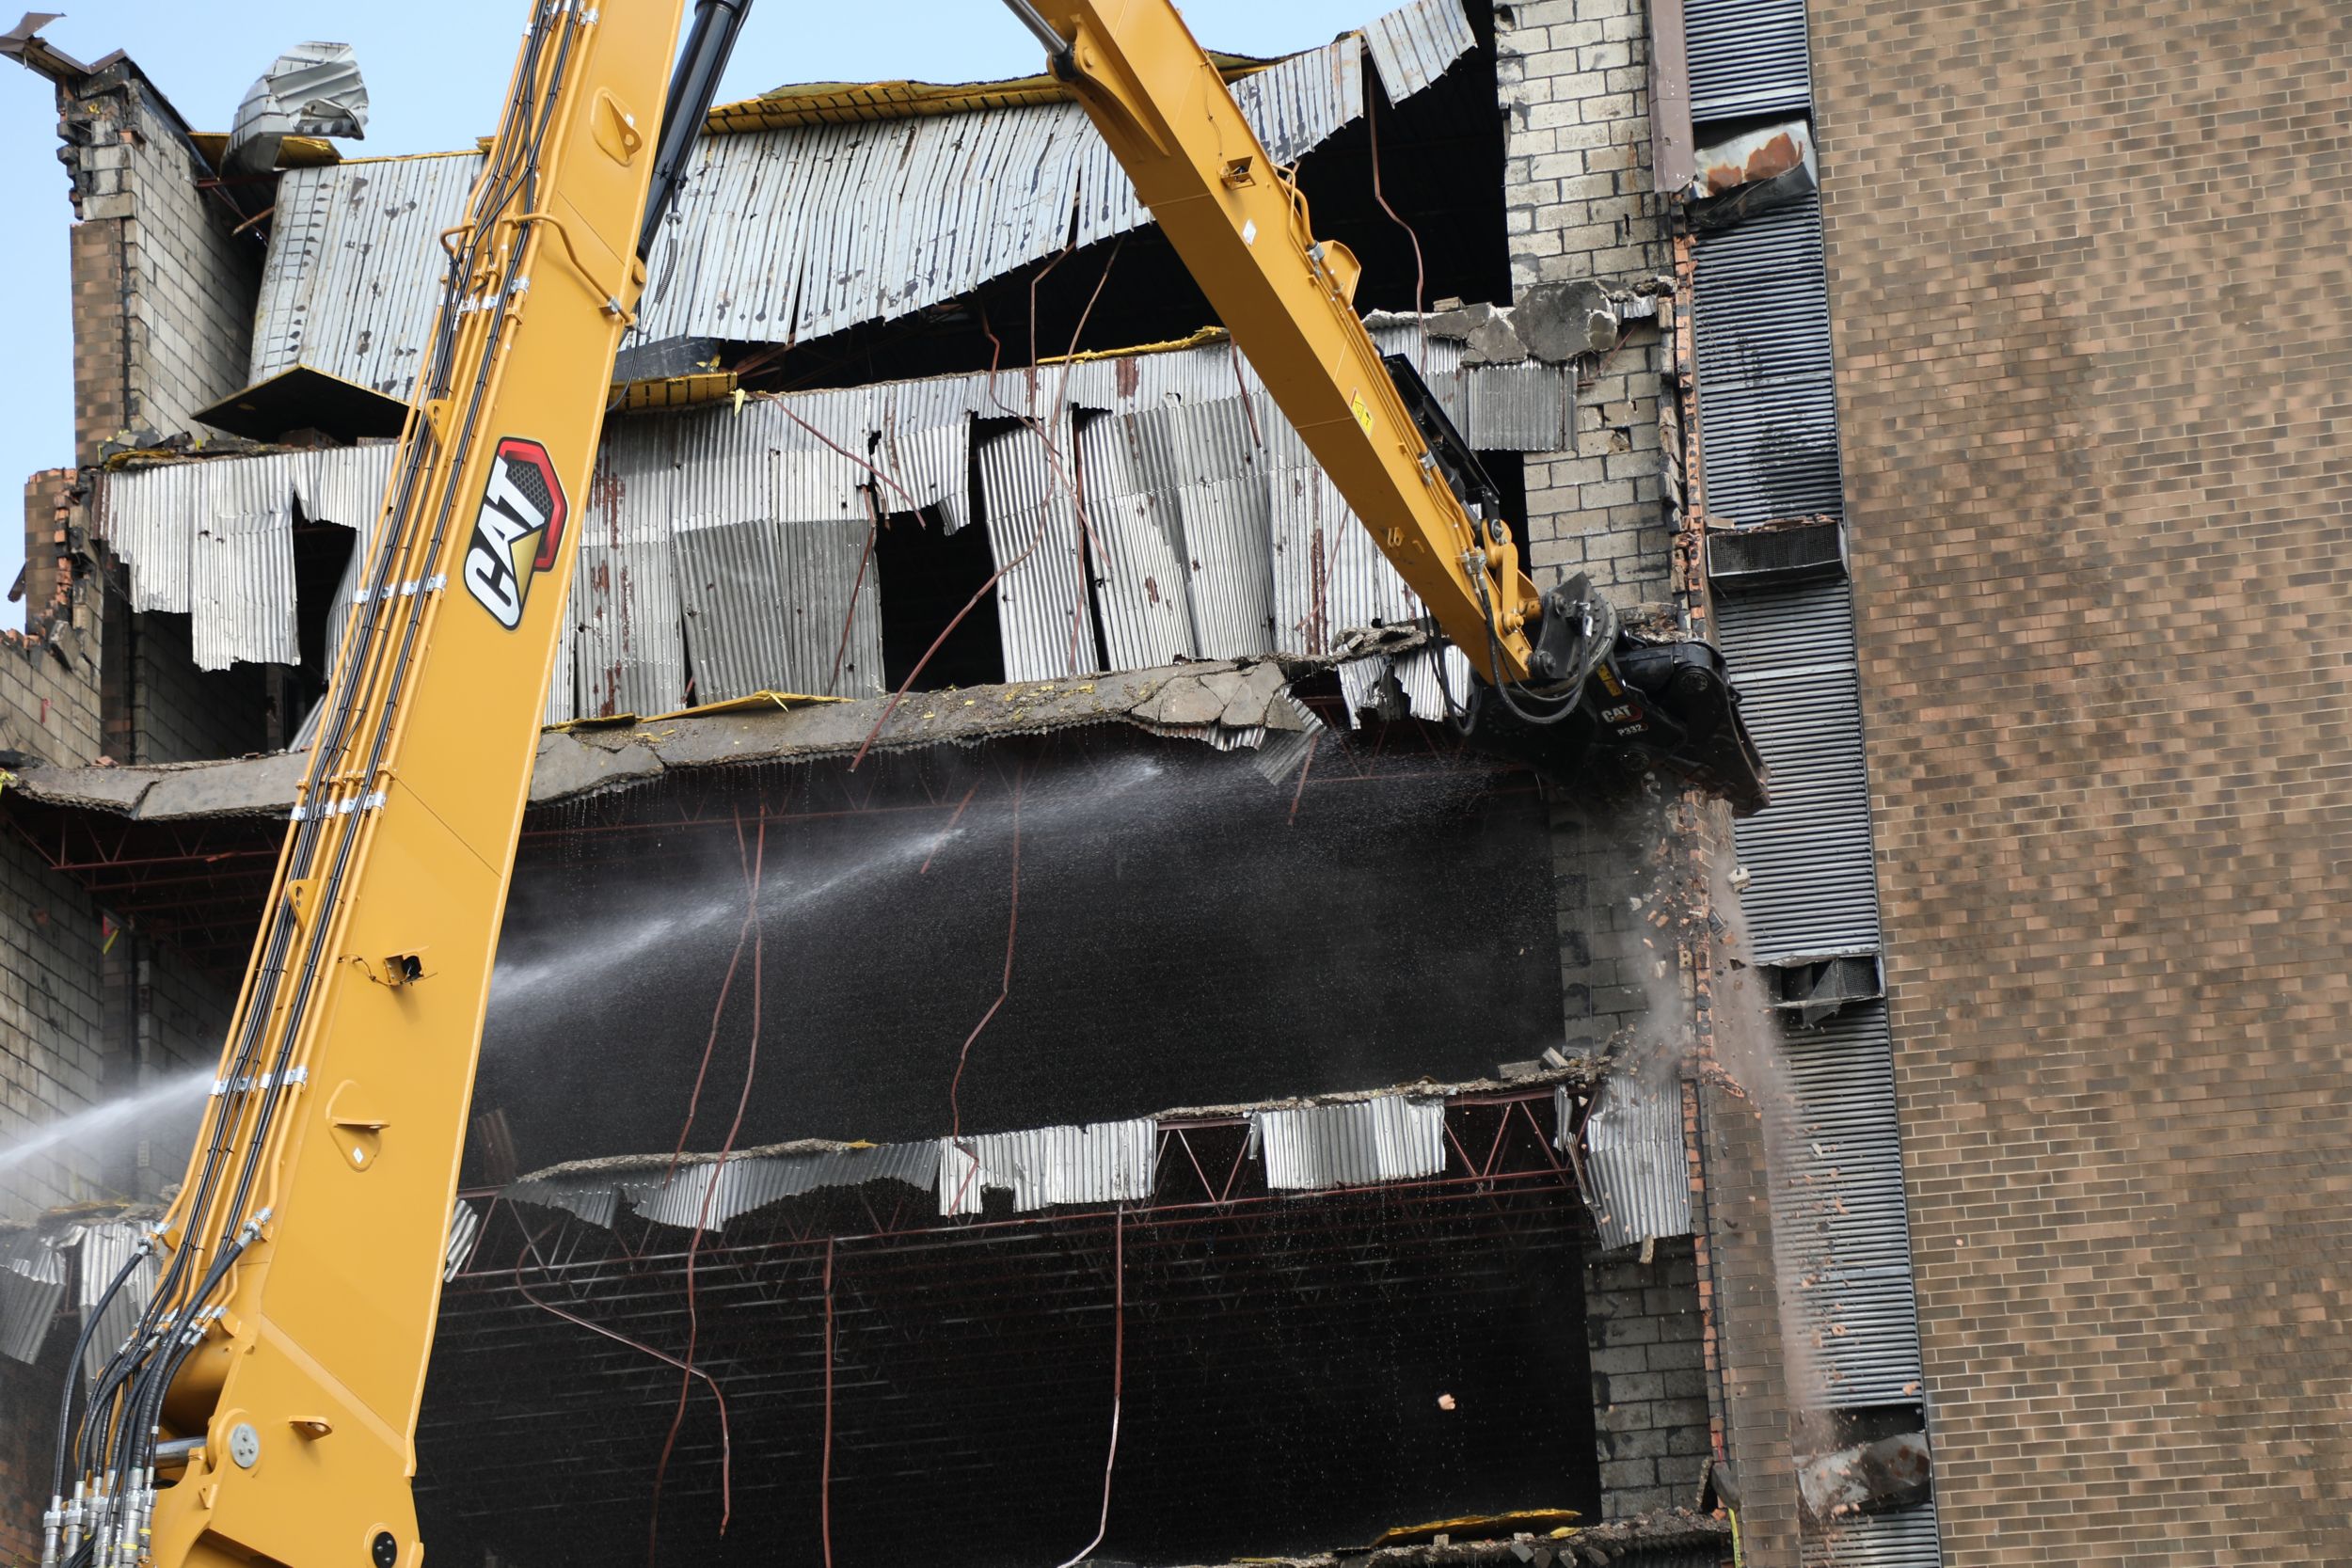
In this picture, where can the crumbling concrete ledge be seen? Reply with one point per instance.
(1676, 1536)
(1226, 703)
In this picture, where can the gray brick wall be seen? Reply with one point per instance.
(1649, 1377)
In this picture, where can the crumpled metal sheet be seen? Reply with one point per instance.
(1634, 1159)
(736, 537)
(32, 1283)
(312, 89)
(1412, 45)
(1355, 1144)
(1029, 480)
(709, 1192)
(1105, 1162)
(104, 1248)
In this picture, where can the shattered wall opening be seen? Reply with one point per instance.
(1294, 1374)
(1188, 934)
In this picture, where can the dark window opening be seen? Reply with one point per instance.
(1297, 1373)
(322, 553)
(924, 576)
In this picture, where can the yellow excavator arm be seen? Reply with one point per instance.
(264, 1409)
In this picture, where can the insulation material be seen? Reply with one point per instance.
(1353, 1143)
(1105, 1162)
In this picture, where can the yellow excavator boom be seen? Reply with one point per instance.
(301, 1263)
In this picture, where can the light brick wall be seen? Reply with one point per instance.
(2087, 271)
(164, 293)
(1572, 76)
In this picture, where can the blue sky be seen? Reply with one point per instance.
(434, 68)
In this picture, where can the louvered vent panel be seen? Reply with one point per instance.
(1747, 57)
(1841, 1224)
(1811, 885)
(1905, 1540)
(1768, 410)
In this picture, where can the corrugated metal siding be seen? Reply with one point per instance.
(355, 268)
(787, 235)
(1767, 410)
(32, 1283)
(1328, 575)
(738, 1186)
(1746, 58)
(1812, 884)
(104, 1249)
(1413, 45)
(767, 605)
(1634, 1157)
(241, 599)
(1842, 1224)
(1350, 1145)
(1136, 546)
(730, 539)
(1030, 485)
(1206, 470)
(1107, 1162)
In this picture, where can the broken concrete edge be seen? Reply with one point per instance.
(1619, 1540)
(1206, 700)
(1578, 1073)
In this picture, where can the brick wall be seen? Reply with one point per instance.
(163, 295)
(1649, 1380)
(1572, 79)
(2087, 268)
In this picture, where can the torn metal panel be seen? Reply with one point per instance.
(1383, 1138)
(1634, 1159)
(312, 89)
(465, 1231)
(768, 607)
(623, 606)
(1135, 533)
(1029, 485)
(104, 1248)
(704, 1191)
(778, 236)
(1329, 575)
(354, 275)
(1413, 45)
(32, 1283)
(241, 597)
(1205, 464)
(1105, 1162)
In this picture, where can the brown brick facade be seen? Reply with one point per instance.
(2087, 267)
